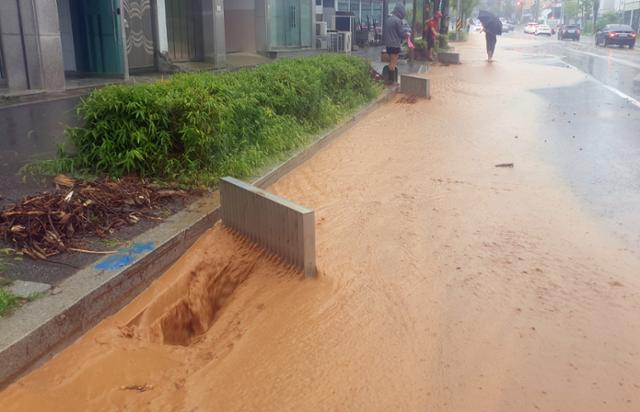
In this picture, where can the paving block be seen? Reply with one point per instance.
(24, 289)
(415, 86)
(273, 222)
(449, 57)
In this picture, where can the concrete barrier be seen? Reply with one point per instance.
(415, 86)
(449, 57)
(273, 222)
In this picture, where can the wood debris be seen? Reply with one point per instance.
(49, 223)
(137, 388)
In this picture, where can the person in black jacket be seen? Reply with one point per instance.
(491, 31)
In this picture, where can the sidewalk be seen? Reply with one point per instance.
(83, 296)
(35, 131)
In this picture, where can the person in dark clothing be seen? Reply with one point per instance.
(431, 33)
(491, 39)
(492, 29)
(392, 38)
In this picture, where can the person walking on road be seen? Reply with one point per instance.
(431, 34)
(492, 28)
(392, 38)
(491, 39)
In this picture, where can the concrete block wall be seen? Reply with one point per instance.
(240, 26)
(275, 223)
(415, 85)
(32, 48)
(449, 57)
(213, 31)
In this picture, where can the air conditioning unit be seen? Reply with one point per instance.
(339, 41)
(344, 41)
(321, 28)
(333, 42)
(322, 43)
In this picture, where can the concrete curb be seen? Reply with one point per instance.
(47, 325)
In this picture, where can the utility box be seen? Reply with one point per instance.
(415, 86)
(278, 225)
(449, 57)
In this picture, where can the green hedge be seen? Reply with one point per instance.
(8, 301)
(195, 128)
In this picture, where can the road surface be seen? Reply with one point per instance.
(446, 283)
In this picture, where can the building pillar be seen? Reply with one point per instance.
(31, 43)
(262, 28)
(161, 26)
(213, 31)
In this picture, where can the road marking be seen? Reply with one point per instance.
(606, 86)
(615, 59)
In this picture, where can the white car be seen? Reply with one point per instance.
(530, 28)
(543, 29)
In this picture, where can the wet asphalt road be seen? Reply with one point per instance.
(593, 127)
(30, 132)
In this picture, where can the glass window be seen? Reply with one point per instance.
(290, 23)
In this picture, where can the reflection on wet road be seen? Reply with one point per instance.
(31, 132)
(613, 66)
(592, 127)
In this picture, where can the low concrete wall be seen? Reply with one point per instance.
(271, 221)
(449, 57)
(415, 86)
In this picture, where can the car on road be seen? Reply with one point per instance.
(620, 34)
(506, 26)
(570, 31)
(530, 28)
(543, 30)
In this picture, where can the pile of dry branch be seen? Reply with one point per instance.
(49, 223)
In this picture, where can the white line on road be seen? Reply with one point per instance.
(606, 86)
(615, 59)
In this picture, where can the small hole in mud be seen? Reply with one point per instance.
(180, 325)
(190, 306)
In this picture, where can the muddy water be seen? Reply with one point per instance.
(445, 283)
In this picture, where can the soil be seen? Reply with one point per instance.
(444, 283)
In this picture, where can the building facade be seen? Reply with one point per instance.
(632, 13)
(44, 42)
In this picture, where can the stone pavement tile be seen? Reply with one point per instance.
(26, 289)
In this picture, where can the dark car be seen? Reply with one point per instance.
(570, 31)
(620, 34)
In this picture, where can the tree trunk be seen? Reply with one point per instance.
(414, 18)
(385, 13)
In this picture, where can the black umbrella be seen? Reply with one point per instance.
(490, 22)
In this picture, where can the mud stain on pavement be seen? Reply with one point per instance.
(444, 283)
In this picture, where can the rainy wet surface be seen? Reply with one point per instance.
(30, 132)
(444, 283)
(595, 141)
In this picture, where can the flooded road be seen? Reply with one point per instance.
(445, 283)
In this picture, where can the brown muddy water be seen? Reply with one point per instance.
(445, 283)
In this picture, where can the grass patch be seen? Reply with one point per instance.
(198, 127)
(8, 301)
